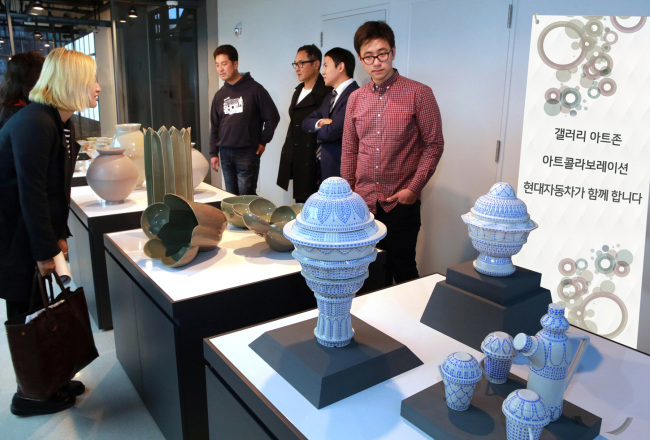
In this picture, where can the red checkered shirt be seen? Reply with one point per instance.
(392, 139)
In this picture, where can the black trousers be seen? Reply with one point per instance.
(403, 224)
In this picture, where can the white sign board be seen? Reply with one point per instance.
(585, 166)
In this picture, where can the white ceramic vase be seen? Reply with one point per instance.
(200, 167)
(335, 237)
(498, 226)
(112, 175)
(129, 137)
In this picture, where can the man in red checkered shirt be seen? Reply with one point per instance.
(392, 142)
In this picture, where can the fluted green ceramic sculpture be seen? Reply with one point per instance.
(168, 163)
(178, 229)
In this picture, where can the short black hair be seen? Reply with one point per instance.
(228, 50)
(313, 52)
(340, 55)
(373, 30)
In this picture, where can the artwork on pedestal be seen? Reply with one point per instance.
(168, 163)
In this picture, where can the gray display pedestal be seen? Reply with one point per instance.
(162, 314)
(324, 375)
(484, 420)
(483, 304)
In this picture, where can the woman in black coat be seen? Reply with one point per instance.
(298, 158)
(37, 157)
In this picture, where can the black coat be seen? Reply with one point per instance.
(35, 178)
(298, 159)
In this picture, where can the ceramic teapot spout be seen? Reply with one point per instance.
(528, 345)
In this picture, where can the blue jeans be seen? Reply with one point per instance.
(240, 167)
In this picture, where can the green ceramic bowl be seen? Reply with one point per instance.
(226, 207)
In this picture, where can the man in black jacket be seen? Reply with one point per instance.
(243, 118)
(298, 159)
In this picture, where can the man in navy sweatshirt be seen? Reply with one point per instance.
(243, 118)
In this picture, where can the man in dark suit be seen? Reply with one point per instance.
(327, 121)
(298, 157)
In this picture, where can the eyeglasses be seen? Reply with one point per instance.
(301, 63)
(370, 59)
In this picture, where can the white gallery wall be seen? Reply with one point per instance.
(464, 50)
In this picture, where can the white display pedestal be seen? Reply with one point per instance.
(245, 395)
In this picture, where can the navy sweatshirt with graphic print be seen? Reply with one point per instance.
(242, 115)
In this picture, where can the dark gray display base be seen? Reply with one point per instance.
(468, 316)
(325, 375)
(428, 411)
(501, 290)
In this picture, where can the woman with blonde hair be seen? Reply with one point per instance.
(37, 157)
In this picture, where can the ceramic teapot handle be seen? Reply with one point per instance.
(584, 340)
(481, 362)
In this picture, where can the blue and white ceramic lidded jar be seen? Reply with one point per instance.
(334, 237)
(460, 373)
(526, 415)
(498, 226)
(499, 353)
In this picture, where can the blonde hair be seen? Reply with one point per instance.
(66, 80)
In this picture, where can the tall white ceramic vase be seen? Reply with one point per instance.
(129, 137)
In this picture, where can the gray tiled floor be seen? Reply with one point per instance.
(109, 409)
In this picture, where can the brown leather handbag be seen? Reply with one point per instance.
(53, 346)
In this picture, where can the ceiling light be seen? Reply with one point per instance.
(132, 12)
(47, 45)
(38, 35)
(122, 20)
(38, 5)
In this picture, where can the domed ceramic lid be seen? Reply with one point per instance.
(555, 320)
(462, 368)
(499, 345)
(501, 205)
(335, 207)
(527, 408)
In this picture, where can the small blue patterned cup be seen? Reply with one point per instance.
(526, 415)
(499, 353)
(460, 373)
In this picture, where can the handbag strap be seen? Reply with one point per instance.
(43, 290)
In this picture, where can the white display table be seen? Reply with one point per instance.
(90, 218)
(611, 382)
(161, 315)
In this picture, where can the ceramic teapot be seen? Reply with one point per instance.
(549, 351)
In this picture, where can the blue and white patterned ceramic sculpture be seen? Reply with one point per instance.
(498, 226)
(335, 236)
(460, 373)
(549, 351)
(499, 354)
(526, 415)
